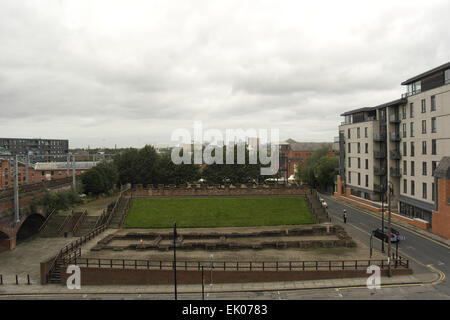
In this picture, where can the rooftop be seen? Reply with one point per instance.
(427, 73)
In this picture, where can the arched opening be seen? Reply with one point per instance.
(29, 227)
(4, 241)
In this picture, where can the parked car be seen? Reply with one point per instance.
(382, 235)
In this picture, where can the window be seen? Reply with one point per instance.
(404, 149)
(359, 147)
(366, 134)
(405, 168)
(412, 149)
(348, 133)
(411, 110)
(359, 163)
(424, 147)
(367, 147)
(367, 181)
(404, 130)
(412, 129)
(367, 163)
(433, 103)
(412, 188)
(424, 190)
(424, 168)
(433, 147)
(349, 147)
(359, 179)
(433, 167)
(424, 126)
(412, 169)
(424, 106)
(358, 133)
(349, 162)
(405, 186)
(433, 125)
(447, 76)
(404, 112)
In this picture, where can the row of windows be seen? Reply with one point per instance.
(359, 179)
(424, 189)
(358, 133)
(423, 105)
(412, 172)
(424, 127)
(358, 149)
(359, 163)
(424, 148)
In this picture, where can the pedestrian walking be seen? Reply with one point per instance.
(345, 216)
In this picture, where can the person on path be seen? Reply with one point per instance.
(345, 216)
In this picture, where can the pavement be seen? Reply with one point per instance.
(10, 290)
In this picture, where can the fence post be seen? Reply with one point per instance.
(28, 278)
(17, 279)
(356, 264)
(111, 263)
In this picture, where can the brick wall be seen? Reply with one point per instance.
(115, 276)
(441, 218)
(217, 191)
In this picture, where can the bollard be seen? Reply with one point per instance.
(17, 279)
(28, 278)
(1, 279)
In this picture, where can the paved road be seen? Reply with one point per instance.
(420, 249)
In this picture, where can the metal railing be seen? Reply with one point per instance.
(66, 220)
(395, 155)
(395, 172)
(46, 221)
(79, 222)
(235, 265)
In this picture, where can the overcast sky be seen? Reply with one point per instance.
(101, 73)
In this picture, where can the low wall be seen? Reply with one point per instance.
(173, 191)
(103, 276)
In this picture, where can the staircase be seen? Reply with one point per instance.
(116, 220)
(53, 226)
(87, 225)
(55, 275)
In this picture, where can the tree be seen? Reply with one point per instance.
(319, 169)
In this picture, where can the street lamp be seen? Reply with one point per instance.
(175, 240)
(390, 192)
(382, 214)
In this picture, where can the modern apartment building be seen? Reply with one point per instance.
(38, 147)
(401, 144)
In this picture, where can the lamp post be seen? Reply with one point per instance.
(390, 192)
(175, 257)
(382, 214)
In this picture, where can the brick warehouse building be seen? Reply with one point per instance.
(404, 144)
(37, 147)
(293, 153)
(39, 171)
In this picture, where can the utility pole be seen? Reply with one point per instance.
(16, 191)
(203, 284)
(382, 215)
(68, 166)
(26, 169)
(390, 190)
(175, 258)
(74, 182)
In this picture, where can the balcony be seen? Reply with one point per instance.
(395, 136)
(394, 118)
(379, 137)
(395, 172)
(379, 154)
(379, 171)
(395, 155)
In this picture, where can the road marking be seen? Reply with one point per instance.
(362, 210)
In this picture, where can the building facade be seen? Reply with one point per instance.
(398, 146)
(37, 147)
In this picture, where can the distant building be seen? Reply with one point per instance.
(293, 154)
(40, 171)
(40, 148)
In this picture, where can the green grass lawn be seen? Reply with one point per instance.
(217, 212)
